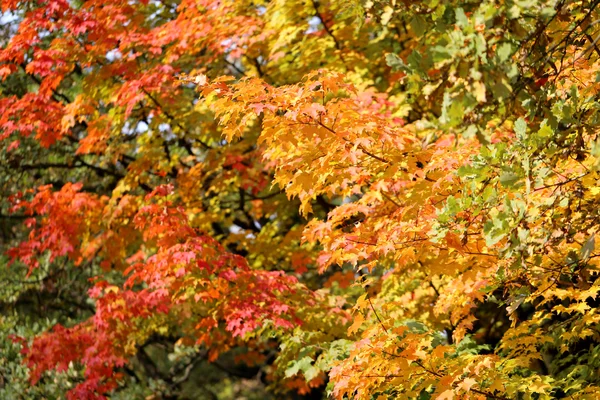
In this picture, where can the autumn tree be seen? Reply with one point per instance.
(299, 199)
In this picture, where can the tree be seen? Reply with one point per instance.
(215, 199)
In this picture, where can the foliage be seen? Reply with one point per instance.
(299, 199)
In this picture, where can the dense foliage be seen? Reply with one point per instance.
(299, 198)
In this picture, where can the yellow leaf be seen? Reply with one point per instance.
(446, 395)
(358, 320)
(467, 383)
(200, 80)
(479, 89)
(497, 386)
(362, 302)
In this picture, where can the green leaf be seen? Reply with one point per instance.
(461, 17)
(301, 365)
(504, 51)
(588, 248)
(395, 62)
(418, 25)
(501, 89)
(311, 373)
(545, 131)
(508, 179)
(520, 128)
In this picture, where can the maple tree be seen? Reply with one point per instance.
(299, 199)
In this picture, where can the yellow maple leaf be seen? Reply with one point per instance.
(446, 395)
(467, 384)
(358, 320)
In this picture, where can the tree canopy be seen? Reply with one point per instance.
(222, 199)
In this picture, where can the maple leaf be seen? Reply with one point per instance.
(201, 80)
(466, 384)
(446, 395)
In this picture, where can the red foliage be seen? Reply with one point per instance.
(65, 217)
